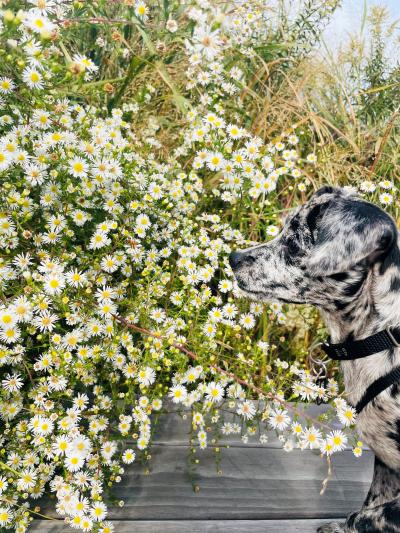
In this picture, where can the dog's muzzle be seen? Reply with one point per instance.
(239, 259)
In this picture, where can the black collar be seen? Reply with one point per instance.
(352, 349)
(346, 351)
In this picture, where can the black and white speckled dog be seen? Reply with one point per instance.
(341, 253)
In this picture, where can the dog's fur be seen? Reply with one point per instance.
(341, 253)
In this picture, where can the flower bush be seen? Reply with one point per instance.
(116, 295)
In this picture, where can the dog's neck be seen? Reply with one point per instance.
(375, 306)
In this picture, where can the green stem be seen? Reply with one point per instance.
(6, 467)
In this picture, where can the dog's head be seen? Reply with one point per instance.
(323, 253)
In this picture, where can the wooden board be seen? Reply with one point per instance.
(254, 484)
(183, 526)
(173, 427)
(254, 488)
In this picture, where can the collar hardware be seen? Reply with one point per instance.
(392, 336)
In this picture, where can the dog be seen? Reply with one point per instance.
(341, 254)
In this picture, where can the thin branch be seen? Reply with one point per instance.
(329, 475)
(98, 20)
(217, 368)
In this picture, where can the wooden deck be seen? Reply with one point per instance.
(259, 488)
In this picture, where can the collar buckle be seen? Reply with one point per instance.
(341, 352)
(335, 351)
(390, 331)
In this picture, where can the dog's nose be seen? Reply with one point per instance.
(238, 258)
(234, 259)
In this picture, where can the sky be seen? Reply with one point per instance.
(348, 18)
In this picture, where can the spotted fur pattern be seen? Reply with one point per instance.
(341, 254)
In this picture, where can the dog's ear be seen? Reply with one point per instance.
(326, 189)
(346, 232)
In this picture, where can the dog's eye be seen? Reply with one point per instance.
(291, 247)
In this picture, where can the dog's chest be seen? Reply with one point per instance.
(359, 374)
(379, 427)
(379, 422)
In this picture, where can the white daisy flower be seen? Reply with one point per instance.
(128, 456)
(246, 409)
(33, 78)
(338, 440)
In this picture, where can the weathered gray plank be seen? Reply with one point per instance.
(255, 484)
(174, 429)
(184, 526)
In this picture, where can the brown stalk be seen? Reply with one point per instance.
(217, 368)
(385, 138)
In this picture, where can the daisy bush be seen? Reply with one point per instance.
(117, 299)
